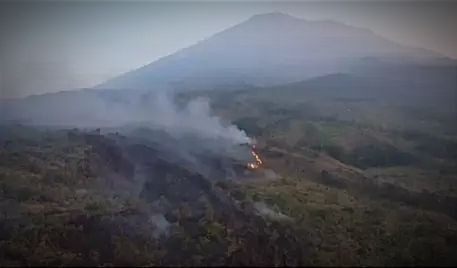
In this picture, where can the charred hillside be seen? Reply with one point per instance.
(123, 203)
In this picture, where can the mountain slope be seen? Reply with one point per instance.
(268, 49)
(425, 87)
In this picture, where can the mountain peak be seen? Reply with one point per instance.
(272, 15)
(268, 48)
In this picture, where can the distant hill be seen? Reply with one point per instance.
(403, 85)
(427, 87)
(270, 49)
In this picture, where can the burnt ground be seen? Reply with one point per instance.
(71, 197)
(78, 198)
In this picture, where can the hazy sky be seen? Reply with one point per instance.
(53, 46)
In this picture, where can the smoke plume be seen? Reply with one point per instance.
(99, 109)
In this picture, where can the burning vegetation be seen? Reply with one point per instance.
(258, 161)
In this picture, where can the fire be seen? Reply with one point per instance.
(258, 161)
(257, 157)
(252, 166)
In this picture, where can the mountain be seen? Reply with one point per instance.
(271, 52)
(270, 49)
(424, 86)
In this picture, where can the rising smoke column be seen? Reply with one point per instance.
(194, 118)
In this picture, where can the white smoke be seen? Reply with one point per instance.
(194, 118)
(160, 224)
(93, 109)
(263, 210)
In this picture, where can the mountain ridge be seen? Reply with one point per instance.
(266, 49)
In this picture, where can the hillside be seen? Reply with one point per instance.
(343, 182)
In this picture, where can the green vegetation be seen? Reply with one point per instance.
(358, 183)
(369, 183)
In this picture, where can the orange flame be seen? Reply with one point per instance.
(258, 161)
